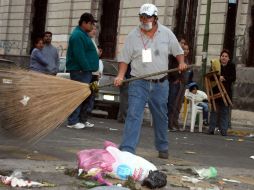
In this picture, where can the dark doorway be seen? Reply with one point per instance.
(186, 14)
(229, 36)
(250, 60)
(109, 22)
(39, 11)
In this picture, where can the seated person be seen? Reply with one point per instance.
(200, 99)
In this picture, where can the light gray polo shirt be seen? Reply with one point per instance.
(162, 44)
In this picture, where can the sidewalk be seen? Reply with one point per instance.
(242, 119)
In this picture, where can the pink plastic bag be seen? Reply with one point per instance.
(96, 158)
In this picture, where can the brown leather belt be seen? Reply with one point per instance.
(158, 80)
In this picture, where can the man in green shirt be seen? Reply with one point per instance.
(82, 59)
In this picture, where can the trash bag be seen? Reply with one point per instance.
(128, 164)
(96, 158)
(155, 179)
(114, 162)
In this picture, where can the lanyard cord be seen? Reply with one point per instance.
(144, 44)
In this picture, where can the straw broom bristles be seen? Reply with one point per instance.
(33, 104)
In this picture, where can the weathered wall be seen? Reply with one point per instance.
(216, 29)
(14, 26)
(62, 17)
(241, 36)
(244, 89)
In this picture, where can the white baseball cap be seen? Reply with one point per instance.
(148, 9)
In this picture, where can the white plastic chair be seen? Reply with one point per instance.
(194, 110)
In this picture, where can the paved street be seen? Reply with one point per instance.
(45, 160)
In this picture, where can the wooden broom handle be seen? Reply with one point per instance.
(145, 76)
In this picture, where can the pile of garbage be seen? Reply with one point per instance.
(16, 179)
(110, 161)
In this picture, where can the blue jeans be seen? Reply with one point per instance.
(204, 105)
(223, 114)
(85, 77)
(156, 95)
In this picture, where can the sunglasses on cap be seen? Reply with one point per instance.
(145, 16)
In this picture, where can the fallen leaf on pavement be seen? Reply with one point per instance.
(231, 180)
(189, 152)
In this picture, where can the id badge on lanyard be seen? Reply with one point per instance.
(146, 55)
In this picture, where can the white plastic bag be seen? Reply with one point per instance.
(128, 164)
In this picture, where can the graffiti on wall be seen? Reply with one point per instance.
(7, 45)
(240, 52)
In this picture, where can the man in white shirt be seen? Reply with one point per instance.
(147, 48)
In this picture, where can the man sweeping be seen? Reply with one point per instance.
(147, 48)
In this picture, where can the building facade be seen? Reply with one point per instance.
(229, 24)
(208, 25)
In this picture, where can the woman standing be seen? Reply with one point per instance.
(227, 77)
(37, 60)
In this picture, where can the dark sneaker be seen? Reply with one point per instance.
(121, 120)
(88, 124)
(172, 129)
(205, 123)
(223, 132)
(210, 132)
(163, 154)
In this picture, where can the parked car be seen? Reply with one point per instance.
(107, 99)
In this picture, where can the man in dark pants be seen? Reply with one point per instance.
(177, 82)
(82, 60)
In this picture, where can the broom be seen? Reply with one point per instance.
(95, 87)
(33, 104)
